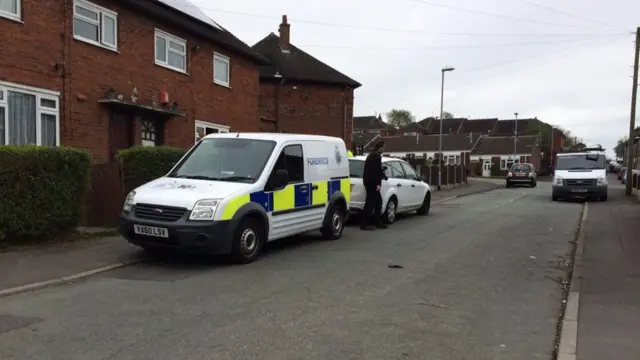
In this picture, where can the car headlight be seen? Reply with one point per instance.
(557, 181)
(509, 174)
(602, 181)
(204, 209)
(530, 175)
(128, 202)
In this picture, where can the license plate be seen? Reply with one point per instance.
(519, 174)
(151, 231)
(579, 190)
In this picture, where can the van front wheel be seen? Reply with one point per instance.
(334, 223)
(248, 241)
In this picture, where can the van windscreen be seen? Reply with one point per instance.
(580, 162)
(225, 159)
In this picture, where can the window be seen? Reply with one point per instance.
(394, 170)
(10, 9)
(356, 168)
(94, 24)
(28, 116)
(148, 133)
(205, 128)
(221, 69)
(506, 164)
(290, 159)
(409, 172)
(171, 51)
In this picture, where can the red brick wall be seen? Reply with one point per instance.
(309, 109)
(92, 70)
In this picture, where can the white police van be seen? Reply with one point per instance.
(580, 174)
(234, 192)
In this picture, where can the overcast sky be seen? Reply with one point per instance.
(570, 64)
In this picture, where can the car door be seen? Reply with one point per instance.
(399, 182)
(415, 188)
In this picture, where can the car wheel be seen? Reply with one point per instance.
(248, 241)
(603, 198)
(508, 185)
(426, 205)
(334, 223)
(391, 211)
(554, 198)
(534, 184)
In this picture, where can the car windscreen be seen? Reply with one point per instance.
(226, 159)
(580, 162)
(519, 168)
(356, 168)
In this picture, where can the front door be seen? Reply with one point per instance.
(121, 137)
(486, 168)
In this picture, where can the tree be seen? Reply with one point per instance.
(621, 147)
(400, 118)
(447, 115)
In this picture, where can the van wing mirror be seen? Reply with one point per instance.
(280, 179)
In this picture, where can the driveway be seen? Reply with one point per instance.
(476, 279)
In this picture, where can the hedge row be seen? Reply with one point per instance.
(143, 164)
(41, 190)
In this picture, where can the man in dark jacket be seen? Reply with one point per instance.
(372, 181)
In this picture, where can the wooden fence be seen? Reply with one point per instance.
(104, 200)
(452, 175)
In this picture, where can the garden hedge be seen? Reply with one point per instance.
(41, 190)
(142, 164)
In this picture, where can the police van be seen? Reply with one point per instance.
(580, 174)
(234, 192)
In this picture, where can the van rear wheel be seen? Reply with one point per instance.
(334, 223)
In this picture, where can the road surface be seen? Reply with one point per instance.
(478, 279)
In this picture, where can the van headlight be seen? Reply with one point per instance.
(557, 181)
(204, 209)
(128, 202)
(602, 181)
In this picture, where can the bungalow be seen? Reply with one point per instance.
(372, 124)
(494, 155)
(456, 149)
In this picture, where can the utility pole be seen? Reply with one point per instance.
(440, 157)
(515, 139)
(632, 120)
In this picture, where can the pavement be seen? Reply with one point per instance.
(609, 312)
(479, 278)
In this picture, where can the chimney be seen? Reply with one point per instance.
(285, 38)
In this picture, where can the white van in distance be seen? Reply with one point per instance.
(234, 192)
(580, 174)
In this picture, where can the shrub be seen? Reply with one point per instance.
(41, 190)
(142, 164)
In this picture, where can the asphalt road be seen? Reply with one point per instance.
(478, 281)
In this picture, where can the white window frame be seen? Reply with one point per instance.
(11, 16)
(227, 60)
(206, 124)
(103, 13)
(40, 94)
(503, 163)
(174, 39)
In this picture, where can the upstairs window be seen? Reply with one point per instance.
(171, 51)
(94, 24)
(10, 9)
(221, 69)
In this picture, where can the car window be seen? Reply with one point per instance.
(521, 168)
(290, 159)
(394, 170)
(409, 172)
(356, 168)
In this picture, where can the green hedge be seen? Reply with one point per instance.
(41, 190)
(142, 164)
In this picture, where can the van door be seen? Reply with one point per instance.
(292, 211)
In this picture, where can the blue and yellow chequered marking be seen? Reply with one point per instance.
(294, 196)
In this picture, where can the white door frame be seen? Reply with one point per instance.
(486, 170)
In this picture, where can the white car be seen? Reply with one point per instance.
(403, 192)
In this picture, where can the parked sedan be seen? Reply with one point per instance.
(522, 174)
(402, 192)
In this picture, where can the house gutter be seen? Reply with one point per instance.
(277, 105)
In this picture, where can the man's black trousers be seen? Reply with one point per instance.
(371, 213)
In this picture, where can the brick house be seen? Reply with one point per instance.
(494, 155)
(109, 74)
(301, 94)
(456, 149)
(372, 124)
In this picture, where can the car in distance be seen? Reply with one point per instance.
(402, 192)
(522, 174)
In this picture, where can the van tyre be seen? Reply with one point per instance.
(334, 223)
(391, 211)
(248, 241)
(603, 198)
(426, 205)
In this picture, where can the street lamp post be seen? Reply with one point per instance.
(515, 139)
(444, 70)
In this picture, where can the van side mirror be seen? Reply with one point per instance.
(279, 180)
